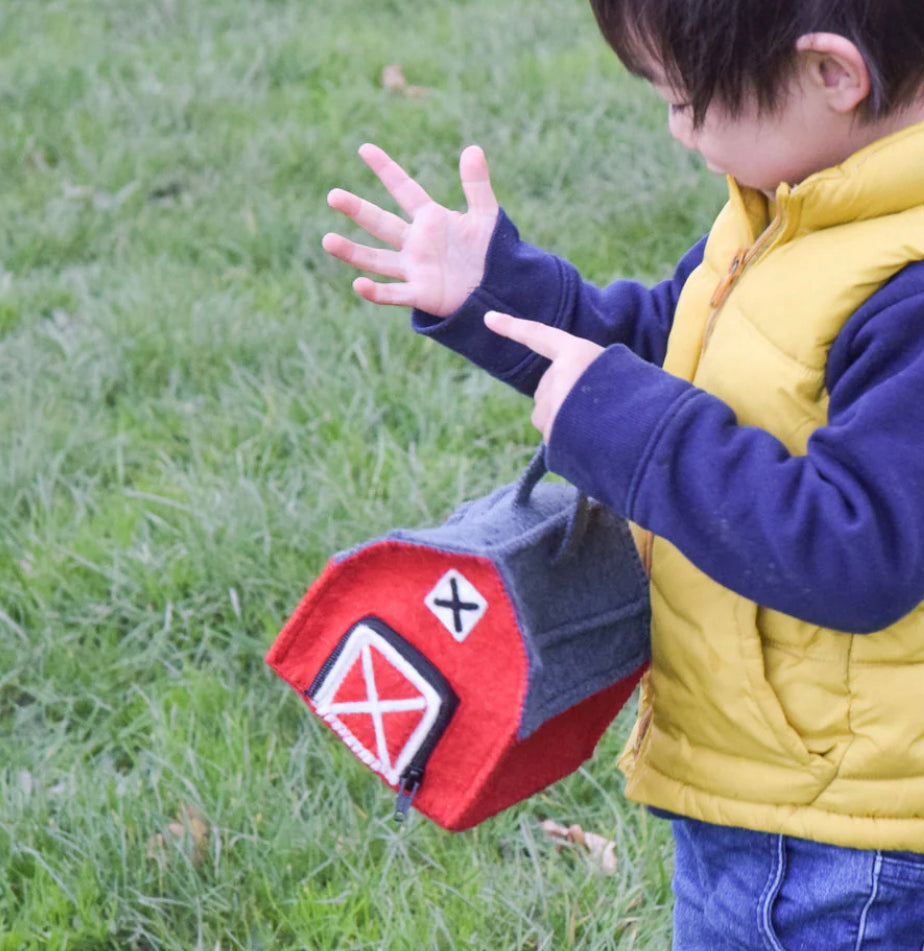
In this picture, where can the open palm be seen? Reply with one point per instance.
(435, 259)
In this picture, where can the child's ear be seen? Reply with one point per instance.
(835, 68)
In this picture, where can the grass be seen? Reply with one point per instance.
(195, 412)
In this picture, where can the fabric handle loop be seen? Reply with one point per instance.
(577, 517)
(531, 477)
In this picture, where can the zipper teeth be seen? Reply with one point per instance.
(412, 776)
(422, 754)
(323, 671)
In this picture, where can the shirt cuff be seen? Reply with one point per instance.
(606, 434)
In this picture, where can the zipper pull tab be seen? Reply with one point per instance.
(408, 785)
(728, 282)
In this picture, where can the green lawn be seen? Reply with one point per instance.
(195, 412)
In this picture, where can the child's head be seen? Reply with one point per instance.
(728, 50)
(774, 90)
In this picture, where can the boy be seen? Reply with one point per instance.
(760, 417)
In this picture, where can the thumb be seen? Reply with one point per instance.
(476, 180)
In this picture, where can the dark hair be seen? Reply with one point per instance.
(725, 50)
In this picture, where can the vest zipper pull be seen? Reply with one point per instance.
(408, 785)
(728, 282)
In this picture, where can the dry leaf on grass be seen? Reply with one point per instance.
(189, 834)
(599, 848)
(394, 80)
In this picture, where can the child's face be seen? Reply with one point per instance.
(760, 149)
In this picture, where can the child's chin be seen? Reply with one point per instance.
(765, 187)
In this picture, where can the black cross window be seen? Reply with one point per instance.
(456, 605)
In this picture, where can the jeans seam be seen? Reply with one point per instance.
(775, 880)
(861, 931)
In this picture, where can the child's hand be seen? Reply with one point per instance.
(439, 254)
(570, 357)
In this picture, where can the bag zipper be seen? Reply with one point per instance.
(412, 776)
(410, 782)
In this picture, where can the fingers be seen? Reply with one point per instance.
(476, 180)
(398, 294)
(546, 341)
(378, 260)
(373, 220)
(543, 413)
(410, 196)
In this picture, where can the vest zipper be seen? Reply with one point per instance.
(644, 539)
(741, 261)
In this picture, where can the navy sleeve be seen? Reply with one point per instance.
(522, 280)
(834, 537)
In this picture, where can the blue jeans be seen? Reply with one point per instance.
(736, 889)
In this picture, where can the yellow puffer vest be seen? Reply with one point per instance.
(749, 717)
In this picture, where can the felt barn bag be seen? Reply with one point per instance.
(472, 664)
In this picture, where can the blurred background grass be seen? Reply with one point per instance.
(195, 412)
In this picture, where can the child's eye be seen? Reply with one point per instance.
(678, 107)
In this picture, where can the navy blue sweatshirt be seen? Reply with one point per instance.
(834, 537)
